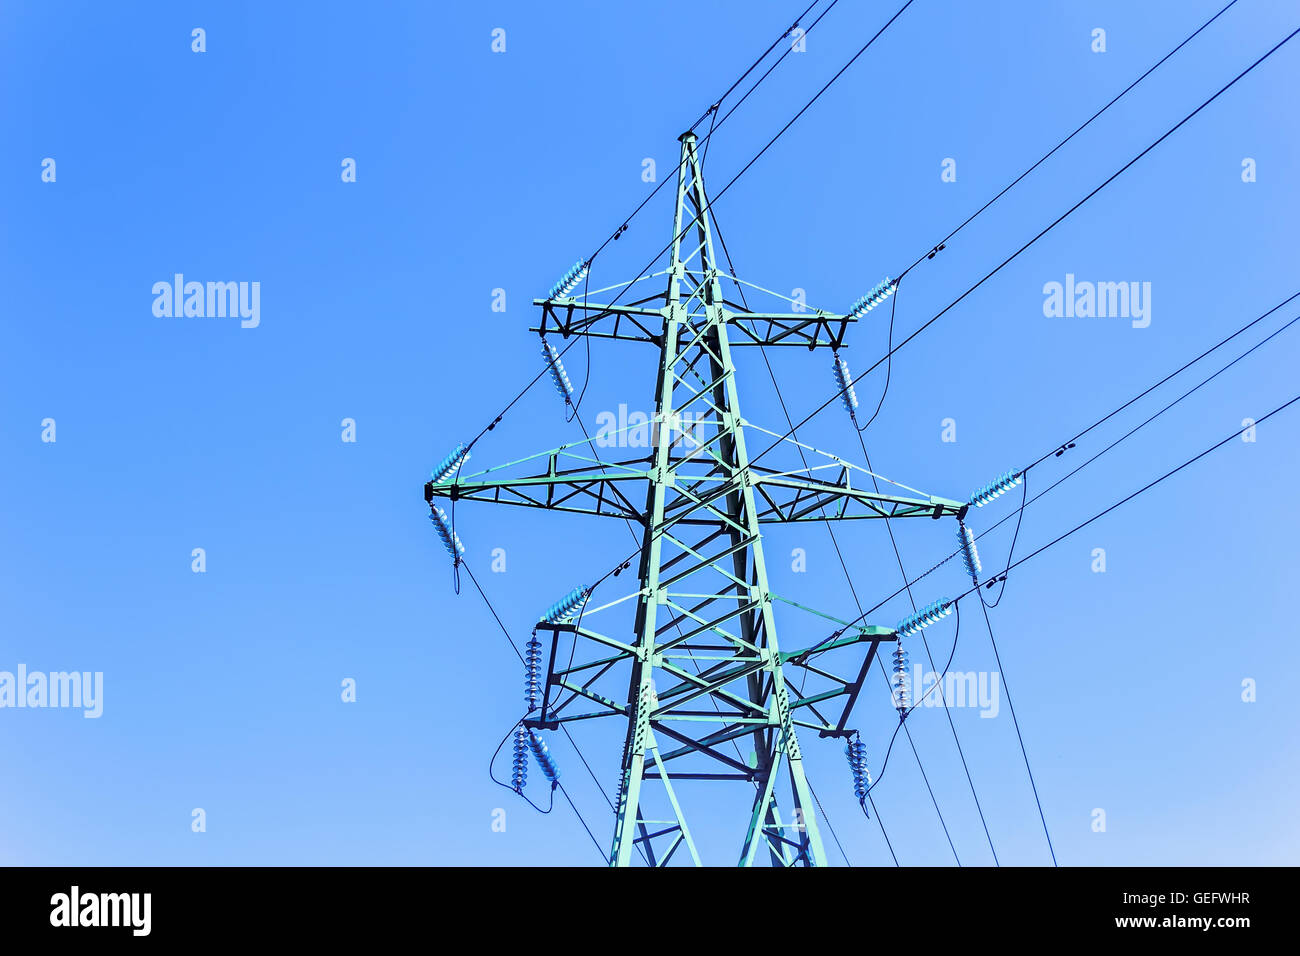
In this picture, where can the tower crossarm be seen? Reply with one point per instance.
(631, 323)
(642, 322)
(589, 490)
(874, 635)
(867, 634)
(610, 491)
(812, 330)
(793, 497)
(672, 704)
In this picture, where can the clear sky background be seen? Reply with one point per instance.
(479, 171)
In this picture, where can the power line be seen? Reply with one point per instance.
(1077, 131)
(1006, 689)
(786, 53)
(998, 268)
(1025, 500)
(925, 778)
(741, 79)
(884, 764)
(765, 148)
(1128, 498)
(1062, 537)
(1061, 448)
(892, 349)
(1109, 415)
(497, 419)
(1015, 536)
(836, 836)
(1156, 415)
(889, 365)
(514, 647)
(712, 111)
(853, 59)
(1056, 541)
(595, 842)
(1020, 512)
(883, 832)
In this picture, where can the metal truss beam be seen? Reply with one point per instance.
(703, 670)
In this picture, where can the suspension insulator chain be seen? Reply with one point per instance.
(519, 770)
(544, 759)
(533, 673)
(558, 375)
(450, 539)
(856, 751)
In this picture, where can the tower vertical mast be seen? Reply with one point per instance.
(703, 672)
(696, 329)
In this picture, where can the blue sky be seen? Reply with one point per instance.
(479, 171)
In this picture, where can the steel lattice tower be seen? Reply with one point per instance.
(703, 668)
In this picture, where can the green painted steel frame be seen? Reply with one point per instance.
(713, 486)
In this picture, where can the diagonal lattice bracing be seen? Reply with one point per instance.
(702, 678)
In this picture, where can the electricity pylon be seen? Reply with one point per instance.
(705, 626)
